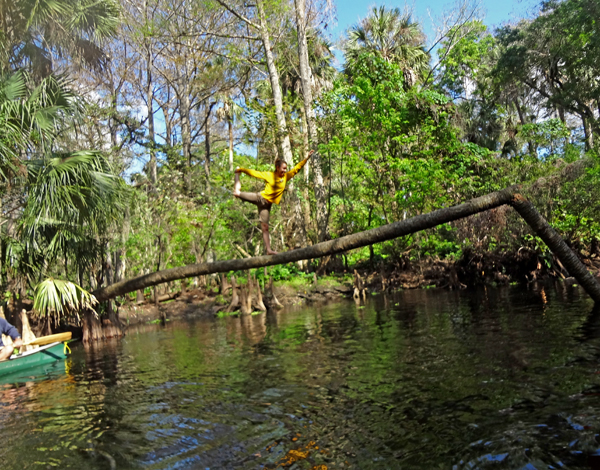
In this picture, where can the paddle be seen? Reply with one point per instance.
(60, 337)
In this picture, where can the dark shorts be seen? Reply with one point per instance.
(264, 206)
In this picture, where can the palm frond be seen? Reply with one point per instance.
(72, 197)
(58, 298)
(392, 35)
(71, 29)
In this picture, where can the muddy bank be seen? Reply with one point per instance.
(206, 302)
(471, 270)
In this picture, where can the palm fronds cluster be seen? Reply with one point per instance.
(58, 198)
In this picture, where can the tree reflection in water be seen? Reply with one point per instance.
(416, 379)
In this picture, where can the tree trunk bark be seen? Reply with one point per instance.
(121, 252)
(259, 299)
(305, 78)
(235, 298)
(186, 135)
(92, 327)
(349, 242)
(230, 125)
(149, 104)
(305, 195)
(207, 148)
(283, 138)
(558, 246)
(589, 135)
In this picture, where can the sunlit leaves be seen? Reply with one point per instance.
(58, 298)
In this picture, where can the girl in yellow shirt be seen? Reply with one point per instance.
(275, 182)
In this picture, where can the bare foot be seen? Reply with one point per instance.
(271, 252)
(237, 185)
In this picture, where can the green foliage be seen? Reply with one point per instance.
(500, 111)
(550, 137)
(553, 57)
(443, 243)
(60, 299)
(392, 36)
(575, 213)
(282, 272)
(40, 29)
(396, 152)
(467, 62)
(60, 203)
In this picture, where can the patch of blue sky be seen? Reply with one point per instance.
(430, 14)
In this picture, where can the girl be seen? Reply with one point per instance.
(275, 182)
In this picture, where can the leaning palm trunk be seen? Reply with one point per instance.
(386, 232)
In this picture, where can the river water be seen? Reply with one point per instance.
(495, 378)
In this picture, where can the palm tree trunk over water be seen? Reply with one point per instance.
(558, 246)
(386, 232)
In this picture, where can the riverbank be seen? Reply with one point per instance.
(473, 269)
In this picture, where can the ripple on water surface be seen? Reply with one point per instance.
(497, 378)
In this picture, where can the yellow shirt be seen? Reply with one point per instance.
(274, 186)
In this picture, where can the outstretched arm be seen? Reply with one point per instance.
(290, 174)
(261, 175)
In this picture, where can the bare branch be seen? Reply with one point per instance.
(238, 15)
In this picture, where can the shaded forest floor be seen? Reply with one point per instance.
(471, 270)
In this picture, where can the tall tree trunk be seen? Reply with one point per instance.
(561, 114)
(108, 267)
(186, 139)
(113, 126)
(305, 77)
(168, 127)
(305, 195)
(306, 145)
(589, 134)
(149, 104)
(186, 135)
(207, 147)
(121, 253)
(230, 126)
(283, 137)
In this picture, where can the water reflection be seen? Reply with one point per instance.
(502, 378)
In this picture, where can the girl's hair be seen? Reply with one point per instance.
(279, 162)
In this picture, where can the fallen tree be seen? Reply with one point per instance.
(509, 196)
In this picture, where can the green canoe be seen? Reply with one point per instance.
(39, 357)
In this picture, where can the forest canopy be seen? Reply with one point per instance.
(123, 122)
